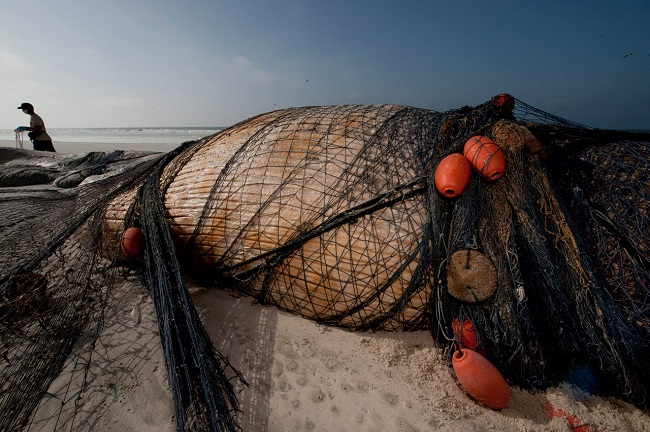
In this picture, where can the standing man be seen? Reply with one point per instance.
(42, 141)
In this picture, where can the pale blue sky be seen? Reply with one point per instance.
(213, 63)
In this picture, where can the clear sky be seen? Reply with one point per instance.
(111, 63)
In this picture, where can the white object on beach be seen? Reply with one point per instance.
(19, 138)
(136, 314)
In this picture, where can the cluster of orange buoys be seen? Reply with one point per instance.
(478, 376)
(453, 172)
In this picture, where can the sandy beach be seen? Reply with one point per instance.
(301, 376)
(304, 377)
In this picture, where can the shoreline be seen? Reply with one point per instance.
(64, 147)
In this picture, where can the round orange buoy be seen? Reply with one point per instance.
(485, 156)
(133, 242)
(452, 175)
(481, 379)
(504, 101)
(465, 334)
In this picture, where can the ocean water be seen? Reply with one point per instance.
(130, 135)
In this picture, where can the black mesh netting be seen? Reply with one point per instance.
(332, 213)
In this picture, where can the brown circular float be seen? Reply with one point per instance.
(471, 276)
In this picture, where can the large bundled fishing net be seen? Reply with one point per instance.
(332, 213)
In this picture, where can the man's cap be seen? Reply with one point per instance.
(25, 105)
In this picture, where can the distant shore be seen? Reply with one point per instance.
(84, 147)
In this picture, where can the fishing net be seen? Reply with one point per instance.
(332, 213)
(58, 273)
(54, 286)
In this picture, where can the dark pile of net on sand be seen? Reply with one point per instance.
(566, 229)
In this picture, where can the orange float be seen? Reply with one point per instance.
(452, 175)
(485, 156)
(133, 242)
(504, 101)
(466, 334)
(481, 379)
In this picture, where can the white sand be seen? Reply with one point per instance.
(302, 377)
